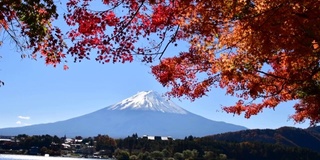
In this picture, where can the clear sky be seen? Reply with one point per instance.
(35, 93)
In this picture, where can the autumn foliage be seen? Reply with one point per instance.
(28, 24)
(264, 52)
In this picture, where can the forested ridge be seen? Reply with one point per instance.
(288, 136)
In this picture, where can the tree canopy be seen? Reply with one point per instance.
(264, 52)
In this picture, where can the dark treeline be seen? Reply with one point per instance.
(43, 144)
(139, 148)
(289, 136)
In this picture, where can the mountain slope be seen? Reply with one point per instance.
(145, 113)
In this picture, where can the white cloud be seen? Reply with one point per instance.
(18, 122)
(24, 117)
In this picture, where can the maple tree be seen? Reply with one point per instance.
(264, 52)
(28, 23)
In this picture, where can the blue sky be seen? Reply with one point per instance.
(35, 93)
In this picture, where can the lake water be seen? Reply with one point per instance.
(27, 157)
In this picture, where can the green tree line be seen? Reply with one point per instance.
(139, 148)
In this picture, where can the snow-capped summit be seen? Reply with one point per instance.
(148, 100)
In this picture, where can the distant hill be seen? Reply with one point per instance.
(146, 113)
(295, 137)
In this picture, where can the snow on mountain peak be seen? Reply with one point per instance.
(148, 100)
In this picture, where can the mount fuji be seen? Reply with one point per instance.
(146, 113)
